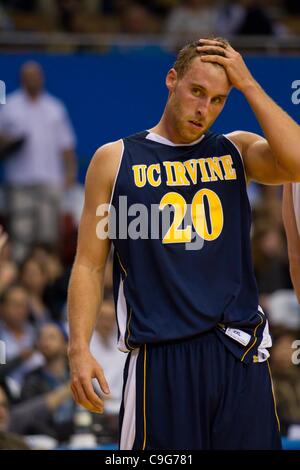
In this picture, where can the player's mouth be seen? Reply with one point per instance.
(196, 124)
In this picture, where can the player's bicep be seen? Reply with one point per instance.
(92, 250)
(93, 241)
(290, 225)
(261, 165)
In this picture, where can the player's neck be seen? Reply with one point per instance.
(165, 128)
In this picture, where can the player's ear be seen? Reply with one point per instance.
(171, 79)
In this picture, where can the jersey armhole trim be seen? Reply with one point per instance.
(239, 152)
(117, 174)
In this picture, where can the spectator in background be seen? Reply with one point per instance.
(19, 337)
(49, 258)
(283, 310)
(67, 12)
(5, 22)
(37, 172)
(34, 413)
(103, 347)
(267, 209)
(292, 6)
(57, 275)
(246, 17)
(33, 278)
(286, 379)
(8, 269)
(230, 15)
(270, 259)
(159, 7)
(256, 19)
(8, 441)
(22, 418)
(21, 5)
(190, 20)
(53, 375)
(137, 19)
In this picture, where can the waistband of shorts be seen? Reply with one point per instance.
(186, 339)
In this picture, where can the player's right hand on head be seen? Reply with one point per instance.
(85, 368)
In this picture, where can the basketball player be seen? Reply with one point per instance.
(196, 376)
(291, 220)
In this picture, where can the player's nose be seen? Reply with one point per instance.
(203, 106)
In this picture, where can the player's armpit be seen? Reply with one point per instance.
(260, 163)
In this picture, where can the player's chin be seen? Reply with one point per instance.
(193, 133)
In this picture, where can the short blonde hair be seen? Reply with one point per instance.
(188, 53)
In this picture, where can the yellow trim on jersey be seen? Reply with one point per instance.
(273, 393)
(255, 339)
(144, 398)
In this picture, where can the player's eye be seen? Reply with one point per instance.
(217, 100)
(196, 91)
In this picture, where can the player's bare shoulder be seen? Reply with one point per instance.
(104, 167)
(243, 139)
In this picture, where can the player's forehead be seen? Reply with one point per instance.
(209, 76)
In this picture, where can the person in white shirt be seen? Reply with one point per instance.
(291, 220)
(103, 347)
(19, 337)
(42, 165)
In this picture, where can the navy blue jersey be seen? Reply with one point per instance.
(193, 273)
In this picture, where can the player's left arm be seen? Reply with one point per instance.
(292, 235)
(261, 165)
(276, 158)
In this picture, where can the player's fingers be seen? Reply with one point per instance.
(99, 375)
(210, 48)
(82, 399)
(77, 400)
(93, 398)
(74, 393)
(215, 58)
(95, 410)
(77, 392)
(214, 42)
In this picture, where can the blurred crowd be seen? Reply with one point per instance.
(185, 18)
(279, 301)
(42, 202)
(35, 398)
